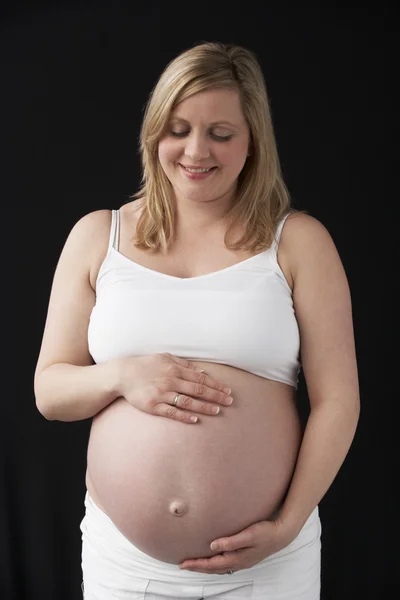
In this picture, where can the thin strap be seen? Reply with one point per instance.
(114, 232)
(279, 232)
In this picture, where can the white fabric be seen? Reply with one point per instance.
(242, 316)
(114, 569)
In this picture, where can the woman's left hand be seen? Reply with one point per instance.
(242, 550)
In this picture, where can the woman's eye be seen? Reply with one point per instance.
(220, 138)
(179, 133)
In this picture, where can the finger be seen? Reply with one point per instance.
(211, 572)
(171, 412)
(221, 562)
(202, 379)
(198, 389)
(188, 403)
(244, 539)
(192, 375)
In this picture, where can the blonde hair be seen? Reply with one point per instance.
(262, 198)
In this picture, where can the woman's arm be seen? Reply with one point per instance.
(67, 385)
(323, 309)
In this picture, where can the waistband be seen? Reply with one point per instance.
(99, 534)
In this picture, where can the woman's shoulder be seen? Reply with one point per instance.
(302, 229)
(88, 224)
(304, 241)
(88, 237)
(94, 227)
(94, 219)
(92, 230)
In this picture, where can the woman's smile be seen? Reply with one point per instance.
(197, 174)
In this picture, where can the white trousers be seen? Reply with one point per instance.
(114, 569)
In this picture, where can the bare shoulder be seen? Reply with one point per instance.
(305, 241)
(88, 239)
(305, 230)
(90, 227)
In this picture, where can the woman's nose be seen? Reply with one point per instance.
(197, 148)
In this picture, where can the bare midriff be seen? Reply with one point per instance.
(172, 488)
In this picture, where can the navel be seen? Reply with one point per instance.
(178, 508)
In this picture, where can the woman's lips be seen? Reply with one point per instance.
(197, 176)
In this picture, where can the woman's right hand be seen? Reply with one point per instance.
(151, 383)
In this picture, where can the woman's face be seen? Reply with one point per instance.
(206, 131)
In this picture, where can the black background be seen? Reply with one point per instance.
(74, 81)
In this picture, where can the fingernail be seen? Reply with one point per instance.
(227, 390)
(214, 546)
(193, 419)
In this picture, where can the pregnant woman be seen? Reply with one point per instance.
(180, 323)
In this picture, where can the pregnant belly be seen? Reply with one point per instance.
(172, 488)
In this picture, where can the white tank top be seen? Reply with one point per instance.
(241, 316)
